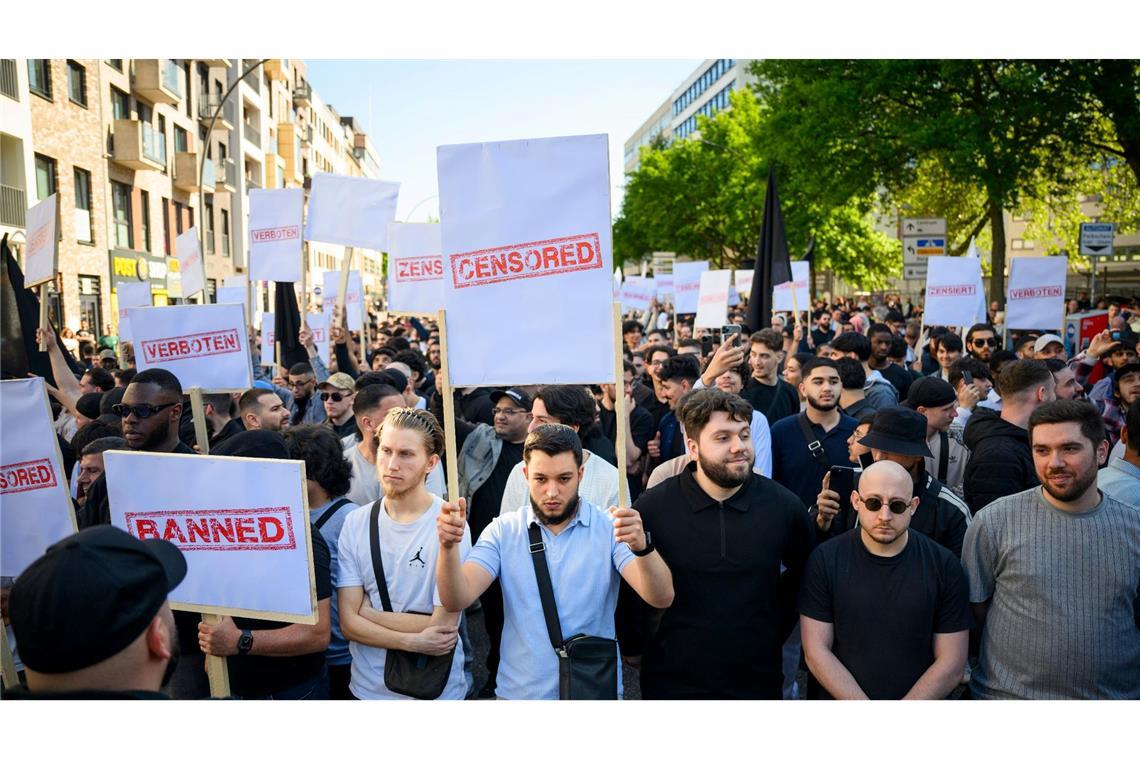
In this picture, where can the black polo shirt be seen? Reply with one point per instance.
(736, 567)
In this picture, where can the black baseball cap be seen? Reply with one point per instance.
(516, 394)
(90, 596)
(930, 392)
(898, 430)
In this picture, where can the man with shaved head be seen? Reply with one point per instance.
(883, 609)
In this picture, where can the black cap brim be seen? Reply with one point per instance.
(893, 445)
(171, 559)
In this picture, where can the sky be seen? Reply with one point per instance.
(416, 106)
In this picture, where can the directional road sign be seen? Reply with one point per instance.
(923, 227)
(1096, 239)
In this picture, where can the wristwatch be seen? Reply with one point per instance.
(649, 547)
(245, 643)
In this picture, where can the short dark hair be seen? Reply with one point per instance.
(1069, 410)
(879, 327)
(663, 348)
(852, 342)
(321, 451)
(418, 420)
(571, 404)
(1119, 374)
(300, 369)
(979, 327)
(106, 443)
(126, 375)
(658, 331)
(1000, 358)
(691, 343)
(627, 366)
(898, 347)
(93, 431)
(101, 378)
(1055, 365)
(251, 400)
(164, 379)
(414, 359)
(630, 326)
(1022, 375)
(894, 315)
(698, 407)
(1132, 425)
(815, 363)
(975, 366)
(851, 373)
(370, 396)
(680, 368)
(553, 440)
(222, 402)
(951, 342)
(803, 357)
(773, 339)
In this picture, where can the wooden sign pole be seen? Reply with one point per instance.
(44, 314)
(201, 431)
(451, 448)
(216, 669)
(7, 661)
(619, 409)
(304, 280)
(341, 317)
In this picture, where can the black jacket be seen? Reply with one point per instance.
(1001, 462)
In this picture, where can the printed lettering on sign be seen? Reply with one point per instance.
(419, 268)
(1050, 291)
(541, 258)
(27, 476)
(267, 529)
(950, 290)
(39, 237)
(318, 335)
(688, 287)
(192, 346)
(713, 298)
(271, 234)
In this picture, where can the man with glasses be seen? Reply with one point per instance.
(302, 384)
(883, 610)
(981, 341)
(336, 396)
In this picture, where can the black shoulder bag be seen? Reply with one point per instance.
(815, 448)
(943, 456)
(332, 510)
(587, 665)
(416, 675)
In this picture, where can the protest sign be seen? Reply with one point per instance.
(743, 281)
(41, 252)
(687, 284)
(242, 525)
(782, 293)
(204, 346)
(130, 295)
(35, 505)
(238, 295)
(275, 234)
(354, 211)
(191, 266)
(664, 287)
(318, 322)
(235, 281)
(712, 301)
(268, 340)
(952, 287)
(415, 268)
(637, 293)
(1035, 299)
(331, 296)
(527, 248)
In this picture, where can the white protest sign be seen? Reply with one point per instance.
(35, 505)
(236, 281)
(238, 295)
(130, 295)
(352, 211)
(527, 244)
(637, 293)
(268, 339)
(712, 301)
(744, 281)
(242, 525)
(331, 296)
(664, 287)
(415, 268)
(1036, 295)
(275, 234)
(952, 287)
(41, 257)
(687, 284)
(204, 346)
(782, 293)
(318, 322)
(191, 266)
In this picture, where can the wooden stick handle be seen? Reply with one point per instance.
(201, 431)
(620, 410)
(44, 314)
(452, 449)
(216, 669)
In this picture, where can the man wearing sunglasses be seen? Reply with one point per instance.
(336, 394)
(883, 610)
(981, 341)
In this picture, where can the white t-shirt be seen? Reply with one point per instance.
(598, 486)
(408, 552)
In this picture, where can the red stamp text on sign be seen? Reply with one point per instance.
(951, 290)
(27, 476)
(273, 234)
(541, 258)
(192, 346)
(1047, 291)
(265, 529)
(39, 238)
(419, 268)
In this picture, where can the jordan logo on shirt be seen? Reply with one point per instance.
(418, 558)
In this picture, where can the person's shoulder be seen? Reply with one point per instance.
(356, 516)
(1130, 511)
(774, 495)
(785, 423)
(1009, 506)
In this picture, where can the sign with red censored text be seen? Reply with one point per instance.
(242, 525)
(41, 251)
(782, 293)
(318, 322)
(275, 218)
(527, 247)
(204, 346)
(1036, 295)
(35, 506)
(637, 293)
(712, 299)
(415, 268)
(687, 285)
(268, 339)
(352, 211)
(952, 287)
(191, 265)
(330, 295)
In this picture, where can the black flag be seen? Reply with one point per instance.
(287, 324)
(19, 352)
(772, 264)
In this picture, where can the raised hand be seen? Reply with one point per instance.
(451, 522)
(628, 528)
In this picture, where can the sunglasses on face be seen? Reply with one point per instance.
(336, 397)
(142, 411)
(979, 342)
(897, 506)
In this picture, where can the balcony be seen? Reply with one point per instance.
(13, 206)
(277, 68)
(226, 119)
(137, 145)
(158, 80)
(226, 176)
(254, 78)
(186, 173)
(218, 63)
(252, 132)
(303, 95)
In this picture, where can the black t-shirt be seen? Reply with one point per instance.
(641, 428)
(254, 676)
(898, 377)
(599, 444)
(348, 427)
(488, 500)
(885, 610)
(775, 402)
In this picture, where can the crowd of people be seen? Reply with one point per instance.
(852, 506)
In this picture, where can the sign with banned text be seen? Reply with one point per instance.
(1036, 295)
(712, 299)
(687, 284)
(242, 525)
(41, 257)
(191, 266)
(352, 211)
(35, 506)
(268, 340)
(782, 293)
(318, 322)
(204, 346)
(331, 296)
(130, 295)
(637, 293)
(664, 287)
(527, 245)
(415, 268)
(275, 234)
(743, 281)
(952, 287)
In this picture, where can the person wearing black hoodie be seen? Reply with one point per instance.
(1001, 462)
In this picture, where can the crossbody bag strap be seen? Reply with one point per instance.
(377, 562)
(815, 448)
(943, 455)
(545, 587)
(332, 510)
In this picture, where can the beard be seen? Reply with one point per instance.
(393, 491)
(880, 539)
(820, 406)
(568, 509)
(156, 438)
(1076, 487)
(719, 473)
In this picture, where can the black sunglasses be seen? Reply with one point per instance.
(142, 411)
(979, 342)
(874, 504)
(336, 397)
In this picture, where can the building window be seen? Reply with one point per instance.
(121, 211)
(211, 291)
(46, 180)
(166, 236)
(120, 103)
(89, 306)
(189, 89)
(181, 140)
(115, 63)
(225, 232)
(83, 229)
(77, 83)
(145, 202)
(39, 76)
(209, 214)
(178, 217)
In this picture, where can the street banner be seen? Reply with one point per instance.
(744, 281)
(238, 294)
(637, 293)
(130, 295)
(1036, 296)
(242, 525)
(712, 301)
(687, 284)
(191, 266)
(330, 294)
(35, 506)
(275, 234)
(782, 293)
(318, 322)
(952, 287)
(41, 257)
(664, 287)
(268, 340)
(353, 211)
(527, 247)
(205, 346)
(415, 268)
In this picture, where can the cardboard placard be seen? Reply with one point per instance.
(318, 322)
(1035, 298)
(331, 296)
(743, 281)
(712, 301)
(782, 293)
(687, 285)
(663, 287)
(353, 211)
(131, 295)
(637, 293)
(275, 218)
(41, 252)
(205, 346)
(952, 288)
(238, 295)
(191, 265)
(268, 340)
(415, 268)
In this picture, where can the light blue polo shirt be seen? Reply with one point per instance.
(585, 563)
